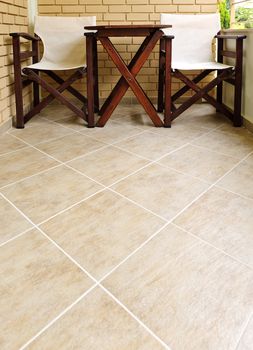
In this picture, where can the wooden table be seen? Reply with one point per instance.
(152, 33)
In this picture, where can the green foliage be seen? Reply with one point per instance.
(244, 16)
(224, 14)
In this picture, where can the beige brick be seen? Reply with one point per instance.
(113, 2)
(114, 16)
(209, 8)
(137, 16)
(3, 7)
(13, 10)
(161, 2)
(207, 2)
(66, 2)
(8, 19)
(120, 8)
(188, 8)
(49, 9)
(46, 2)
(96, 8)
(143, 8)
(136, 2)
(183, 2)
(166, 8)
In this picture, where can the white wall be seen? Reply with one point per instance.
(247, 97)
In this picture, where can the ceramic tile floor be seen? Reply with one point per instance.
(126, 237)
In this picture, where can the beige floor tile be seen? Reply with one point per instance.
(12, 222)
(189, 294)
(46, 194)
(108, 165)
(246, 341)
(202, 115)
(181, 132)
(72, 122)
(242, 131)
(106, 229)
(249, 160)
(224, 220)
(111, 132)
(37, 283)
(97, 322)
(134, 118)
(150, 145)
(237, 146)
(70, 146)
(9, 143)
(164, 191)
(23, 163)
(239, 180)
(206, 165)
(40, 133)
(38, 120)
(57, 111)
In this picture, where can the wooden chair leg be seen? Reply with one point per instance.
(167, 83)
(238, 84)
(18, 84)
(160, 99)
(36, 89)
(95, 72)
(219, 88)
(90, 79)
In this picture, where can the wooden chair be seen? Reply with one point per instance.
(192, 50)
(63, 50)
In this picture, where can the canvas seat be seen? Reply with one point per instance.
(190, 47)
(63, 43)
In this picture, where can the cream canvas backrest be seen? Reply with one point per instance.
(193, 36)
(63, 40)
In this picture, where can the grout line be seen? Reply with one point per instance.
(71, 206)
(16, 150)
(114, 268)
(16, 236)
(58, 317)
(41, 142)
(30, 176)
(211, 245)
(133, 252)
(98, 283)
(76, 301)
(235, 193)
(243, 331)
(212, 151)
(135, 317)
(50, 239)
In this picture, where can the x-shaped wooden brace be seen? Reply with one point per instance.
(128, 78)
(200, 93)
(55, 92)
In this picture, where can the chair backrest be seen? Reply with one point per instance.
(63, 39)
(193, 36)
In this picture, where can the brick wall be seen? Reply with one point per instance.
(13, 18)
(127, 11)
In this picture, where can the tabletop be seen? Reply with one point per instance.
(126, 29)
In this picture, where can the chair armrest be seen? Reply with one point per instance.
(225, 36)
(26, 36)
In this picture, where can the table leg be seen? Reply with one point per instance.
(128, 78)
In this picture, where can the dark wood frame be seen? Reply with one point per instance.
(152, 34)
(230, 75)
(26, 76)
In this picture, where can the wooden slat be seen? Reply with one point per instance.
(26, 54)
(227, 53)
(230, 81)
